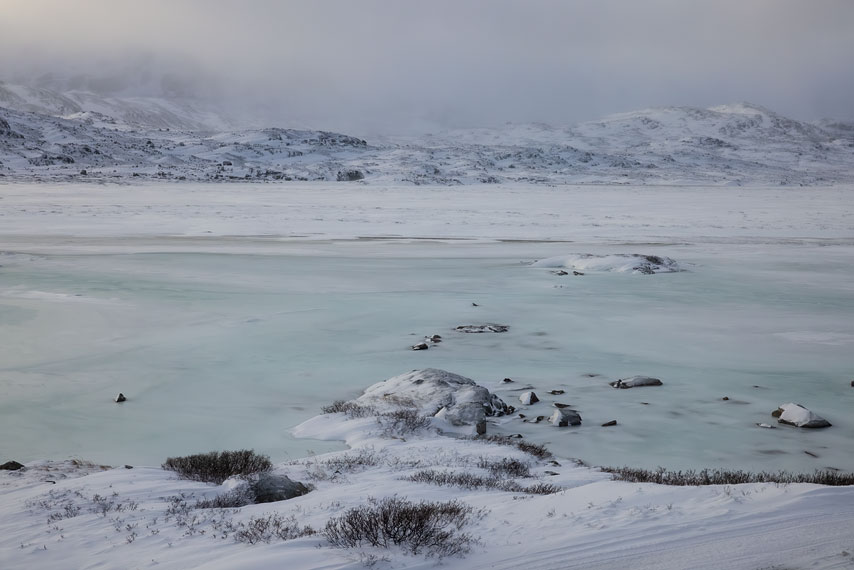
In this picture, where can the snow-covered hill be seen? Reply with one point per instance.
(49, 135)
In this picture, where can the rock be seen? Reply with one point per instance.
(475, 305)
(420, 346)
(560, 272)
(507, 380)
(538, 419)
(609, 424)
(556, 392)
(636, 381)
(852, 383)
(120, 398)
(488, 327)
(725, 398)
(799, 416)
(11, 466)
(350, 175)
(480, 427)
(461, 400)
(811, 454)
(559, 405)
(528, 398)
(766, 426)
(551, 473)
(270, 488)
(565, 417)
(515, 436)
(577, 273)
(435, 338)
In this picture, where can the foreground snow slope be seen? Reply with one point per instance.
(80, 136)
(79, 515)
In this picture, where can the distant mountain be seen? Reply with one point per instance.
(79, 135)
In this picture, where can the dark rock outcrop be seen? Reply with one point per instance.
(270, 488)
(563, 417)
(11, 466)
(485, 328)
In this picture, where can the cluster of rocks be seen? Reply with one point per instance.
(435, 339)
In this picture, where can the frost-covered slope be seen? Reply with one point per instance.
(46, 135)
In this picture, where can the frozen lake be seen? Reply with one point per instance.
(228, 314)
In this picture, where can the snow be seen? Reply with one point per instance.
(50, 516)
(763, 286)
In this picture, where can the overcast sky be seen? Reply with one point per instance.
(396, 65)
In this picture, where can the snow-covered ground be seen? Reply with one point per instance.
(235, 312)
(78, 136)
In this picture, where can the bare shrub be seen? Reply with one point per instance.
(239, 497)
(217, 466)
(266, 527)
(542, 489)
(725, 477)
(471, 481)
(505, 467)
(351, 409)
(534, 449)
(455, 479)
(431, 528)
(402, 422)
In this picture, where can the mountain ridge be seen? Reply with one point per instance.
(45, 135)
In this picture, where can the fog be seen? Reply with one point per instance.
(398, 66)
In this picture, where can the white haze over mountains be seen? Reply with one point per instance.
(379, 66)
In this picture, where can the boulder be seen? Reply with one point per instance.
(460, 399)
(349, 175)
(635, 381)
(798, 416)
(120, 398)
(420, 346)
(563, 417)
(11, 466)
(528, 398)
(488, 327)
(270, 488)
(609, 424)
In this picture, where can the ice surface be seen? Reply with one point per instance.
(303, 295)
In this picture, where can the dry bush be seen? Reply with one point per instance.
(505, 467)
(534, 449)
(431, 528)
(266, 527)
(351, 409)
(239, 497)
(217, 466)
(402, 422)
(725, 477)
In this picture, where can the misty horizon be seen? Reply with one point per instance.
(399, 67)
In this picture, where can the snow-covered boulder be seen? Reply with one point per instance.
(486, 328)
(799, 416)
(563, 417)
(457, 399)
(635, 381)
(528, 398)
(616, 262)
